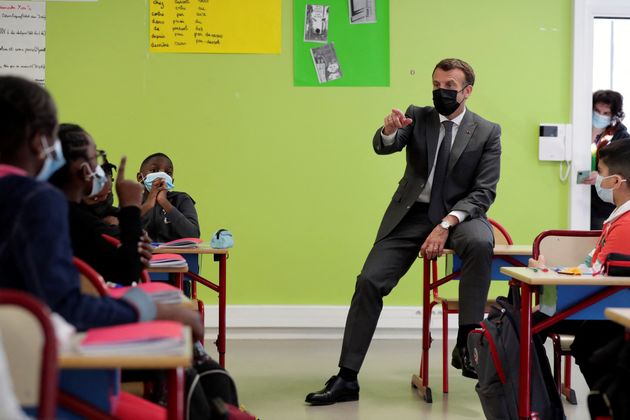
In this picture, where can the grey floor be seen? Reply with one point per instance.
(274, 376)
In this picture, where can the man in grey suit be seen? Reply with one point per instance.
(453, 163)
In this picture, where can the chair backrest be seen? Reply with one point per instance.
(565, 247)
(92, 283)
(30, 345)
(501, 236)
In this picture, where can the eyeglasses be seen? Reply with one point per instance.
(100, 156)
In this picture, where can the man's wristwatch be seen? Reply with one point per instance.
(445, 225)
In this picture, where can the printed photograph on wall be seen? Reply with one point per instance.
(360, 55)
(316, 23)
(326, 63)
(362, 11)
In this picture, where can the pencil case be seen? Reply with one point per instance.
(222, 239)
(617, 264)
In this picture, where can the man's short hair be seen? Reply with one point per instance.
(455, 63)
(616, 156)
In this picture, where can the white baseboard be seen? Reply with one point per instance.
(320, 322)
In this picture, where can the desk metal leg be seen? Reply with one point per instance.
(81, 408)
(525, 352)
(222, 300)
(176, 393)
(421, 381)
(179, 281)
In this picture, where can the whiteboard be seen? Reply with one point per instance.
(23, 39)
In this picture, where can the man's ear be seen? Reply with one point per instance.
(468, 90)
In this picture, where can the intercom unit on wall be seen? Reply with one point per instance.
(554, 142)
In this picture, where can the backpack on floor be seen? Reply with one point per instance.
(494, 352)
(211, 391)
(609, 396)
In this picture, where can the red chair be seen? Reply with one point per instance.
(31, 348)
(448, 306)
(564, 248)
(92, 283)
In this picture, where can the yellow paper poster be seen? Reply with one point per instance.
(215, 26)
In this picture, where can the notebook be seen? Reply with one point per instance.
(159, 292)
(167, 260)
(181, 243)
(141, 338)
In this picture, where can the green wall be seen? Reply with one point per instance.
(290, 170)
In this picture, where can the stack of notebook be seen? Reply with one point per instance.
(167, 260)
(182, 243)
(159, 292)
(163, 337)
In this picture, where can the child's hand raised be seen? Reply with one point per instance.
(129, 192)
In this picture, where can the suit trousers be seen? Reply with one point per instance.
(392, 256)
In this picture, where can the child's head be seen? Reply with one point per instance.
(157, 162)
(161, 166)
(28, 124)
(614, 171)
(82, 171)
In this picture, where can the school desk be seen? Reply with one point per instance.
(220, 255)
(174, 363)
(512, 254)
(176, 272)
(529, 281)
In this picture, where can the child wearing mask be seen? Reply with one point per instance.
(612, 187)
(166, 214)
(35, 250)
(102, 204)
(78, 181)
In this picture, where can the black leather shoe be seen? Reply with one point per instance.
(336, 390)
(461, 360)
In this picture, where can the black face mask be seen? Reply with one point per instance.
(104, 208)
(445, 101)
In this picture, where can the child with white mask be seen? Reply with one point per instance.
(166, 214)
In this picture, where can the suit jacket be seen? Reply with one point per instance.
(473, 167)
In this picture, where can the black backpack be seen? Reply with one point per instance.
(494, 352)
(210, 390)
(609, 396)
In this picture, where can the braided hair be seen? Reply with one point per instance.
(74, 143)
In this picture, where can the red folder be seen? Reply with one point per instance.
(167, 260)
(158, 291)
(140, 337)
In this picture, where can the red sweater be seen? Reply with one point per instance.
(615, 236)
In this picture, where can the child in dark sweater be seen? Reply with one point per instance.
(166, 214)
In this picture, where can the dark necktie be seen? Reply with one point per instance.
(437, 210)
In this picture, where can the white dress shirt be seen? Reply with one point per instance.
(425, 194)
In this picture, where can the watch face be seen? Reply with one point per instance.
(445, 225)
